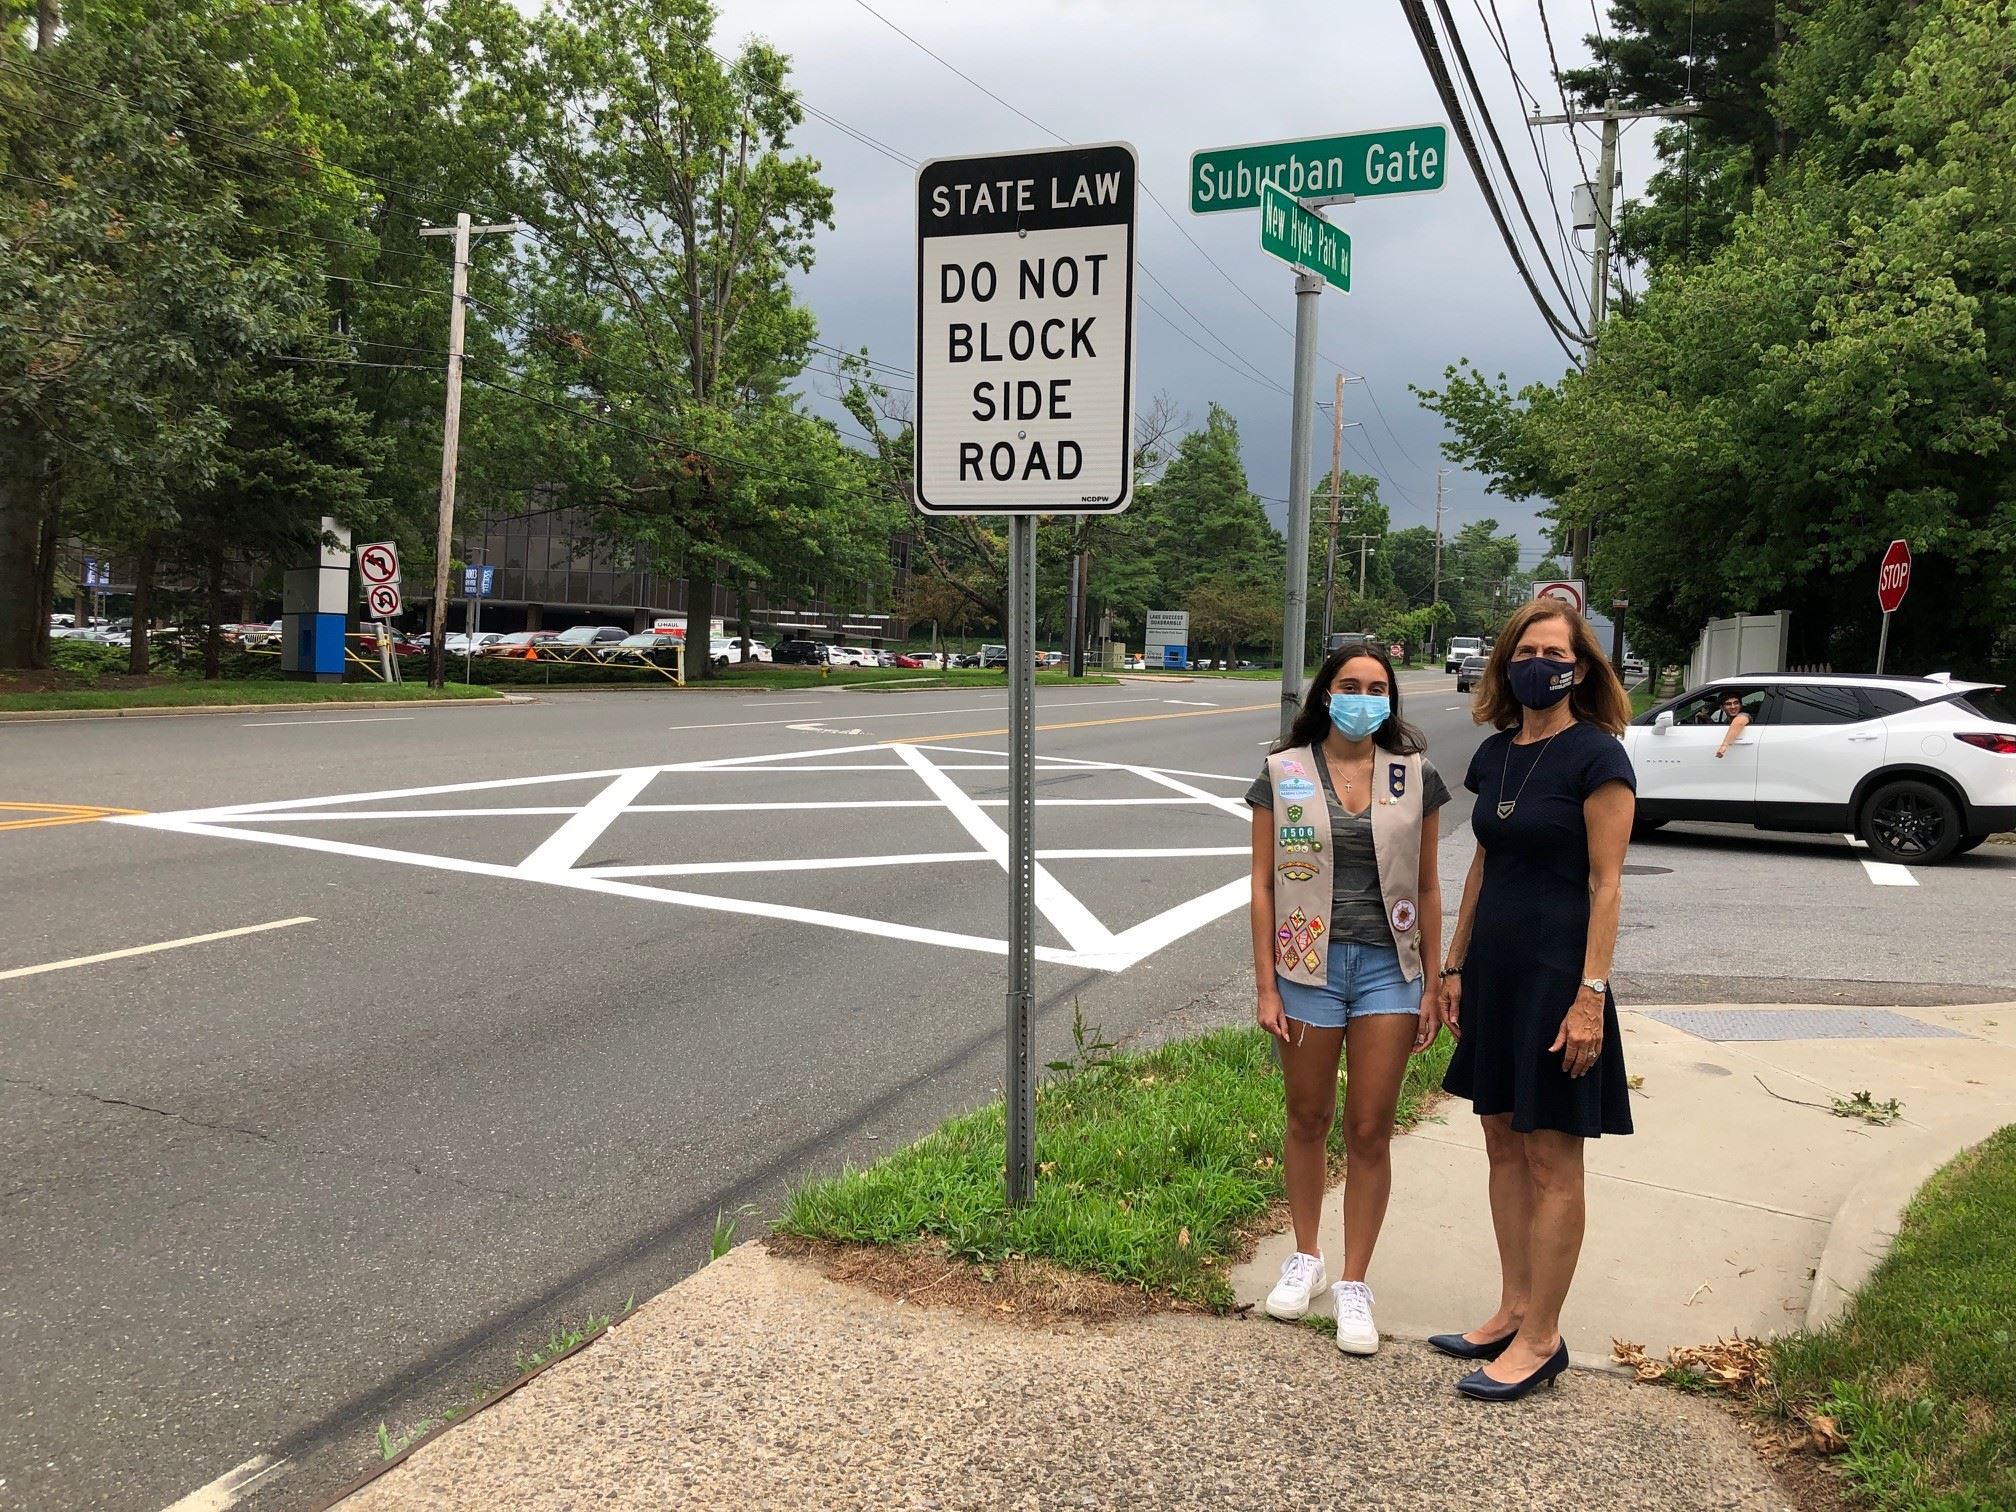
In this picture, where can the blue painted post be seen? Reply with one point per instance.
(315, 607)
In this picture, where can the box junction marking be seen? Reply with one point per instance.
(919, 778)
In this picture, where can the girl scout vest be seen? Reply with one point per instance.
(1303, 859)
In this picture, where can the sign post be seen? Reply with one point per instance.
(1025, 406)
(476, 585)
(1893, 581)
(1284, 181)
(1574, 592)
(378, 566)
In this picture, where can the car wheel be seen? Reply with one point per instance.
(1911, 823)
(1968, 843)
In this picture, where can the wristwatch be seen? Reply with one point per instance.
(1596, 985)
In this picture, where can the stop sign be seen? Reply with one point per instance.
(1894, 576)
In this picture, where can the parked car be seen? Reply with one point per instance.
(461, 643)
(402, 645)
(1920, 768)
(590, 635)
(798, 653)
(1471, 672)
(1459, 647)
(516, 643)
(728, 648)
(849, 656)
(994, 656)
(1049, 658)
(659, 650)
(905, 659)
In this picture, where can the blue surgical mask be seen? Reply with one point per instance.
(1357, 715)
(1540, 683)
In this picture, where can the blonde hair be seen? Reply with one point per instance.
(1598, 698)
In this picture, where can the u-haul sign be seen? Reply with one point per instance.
(1025, 332)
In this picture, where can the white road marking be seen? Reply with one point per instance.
(229, 1488)
(1883, 873)
(777, 703)
(819, 729)
(1092, 944)
(1192, 703)
(276, 724)
(1072, 919)
(572, 840)
(1453, 709)
(140, 950)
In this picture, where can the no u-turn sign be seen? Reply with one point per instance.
(1025, 332)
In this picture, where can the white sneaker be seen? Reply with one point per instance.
(1300, 1276)
(1356, 1332)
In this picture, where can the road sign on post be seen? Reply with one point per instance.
(1321, 170)
(383, 600)
(1573, 592)
(1303, 239)
(378, 563)
(1025, 406)
(1893, 581)
(1025, 332)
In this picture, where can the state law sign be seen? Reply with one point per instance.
(1893, 578)
(1025, 332)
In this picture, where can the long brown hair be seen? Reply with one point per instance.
(1312, 720)
(1598, 698)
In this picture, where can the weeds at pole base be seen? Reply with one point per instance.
(1152, 1170)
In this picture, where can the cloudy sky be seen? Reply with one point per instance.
(1431, 281)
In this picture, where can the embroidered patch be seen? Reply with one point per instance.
(1297, 871)
(1403, 915)
(1304, 939)
(1396, 779)
(1313, 961)
(1294, 813)
(1299, 837)
(1293, 768)
(1297, 787)
(1298, 918)
(1289, 960)
(1316, 928)
(1285, 933)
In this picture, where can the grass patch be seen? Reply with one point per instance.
(1151, 1170)
(181, 695)
(1919, 1375)
(1642, 698)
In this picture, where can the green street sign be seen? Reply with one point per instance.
(1321, 170)
(1303, 238)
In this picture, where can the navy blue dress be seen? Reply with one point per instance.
(1524, 965)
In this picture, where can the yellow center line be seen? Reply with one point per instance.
(47, 814)
(1084, 724)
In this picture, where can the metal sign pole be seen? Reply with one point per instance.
(1295, 598)
(1020, 1088)
(1883, 642)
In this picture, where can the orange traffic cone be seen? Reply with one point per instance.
(531, 653)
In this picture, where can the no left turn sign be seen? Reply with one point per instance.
(1025, 332)
(378, 563)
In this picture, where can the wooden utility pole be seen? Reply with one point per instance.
(451, 433)
(1435, 596)
(1336, 467)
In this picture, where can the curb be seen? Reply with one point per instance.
(1866, 1222)
(27, 716)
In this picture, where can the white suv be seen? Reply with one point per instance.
(1460, 647)
(1921, 768)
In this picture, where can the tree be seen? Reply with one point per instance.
(1229, 610)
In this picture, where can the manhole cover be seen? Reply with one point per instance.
(1648, 871)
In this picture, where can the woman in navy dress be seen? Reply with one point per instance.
(1525, 988)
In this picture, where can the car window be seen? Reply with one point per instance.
(1991, 703)
(1817, 704)
(1705, 707)
(1883, 701)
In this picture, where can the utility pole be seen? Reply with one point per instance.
(1604, 192)
(451, 433)
(1336, 467)
(1435, 597)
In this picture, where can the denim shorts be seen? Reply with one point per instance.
(1364, 979)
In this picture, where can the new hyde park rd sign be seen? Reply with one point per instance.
(1025, 332)
(1321, 170)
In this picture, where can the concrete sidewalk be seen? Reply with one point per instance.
(1731, 1210)
(760, 1383)
(757, 1383)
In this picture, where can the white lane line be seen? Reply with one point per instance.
(1453, 709)
(472, 813)
(1079, 761)
(1883, 873)
(1192, 703)
(1072, 919)
(572, 840)
(924, 858)
(1076, 703)
(777, 703)
(277, 724)
(229, 1488)
(140, 950)
(326, 817)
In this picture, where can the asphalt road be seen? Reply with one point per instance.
(473, 1072)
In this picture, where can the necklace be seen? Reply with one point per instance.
(1505, 810)
(1337, 773)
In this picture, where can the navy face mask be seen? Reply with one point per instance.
(1539, 683)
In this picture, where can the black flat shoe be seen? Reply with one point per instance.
(1461, 1348)
(1484, 1389)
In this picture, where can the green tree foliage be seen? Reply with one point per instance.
(1835, 376)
